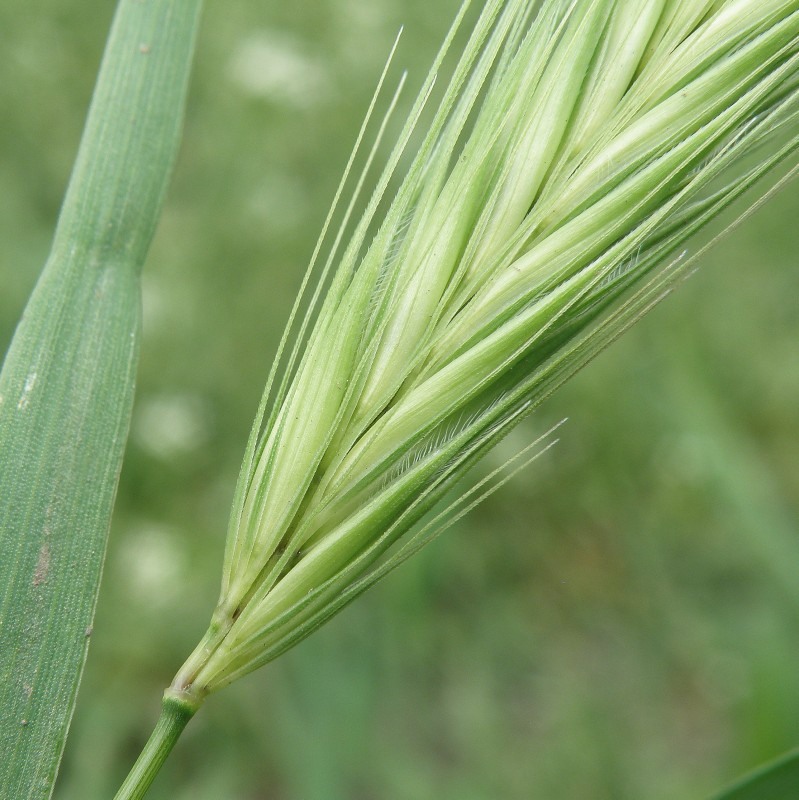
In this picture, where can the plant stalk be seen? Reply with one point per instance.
(176, 711)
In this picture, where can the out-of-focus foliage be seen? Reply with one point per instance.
(776, 779)
(619, 622)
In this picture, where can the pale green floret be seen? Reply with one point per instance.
(574, 151)
(538, 133)
(621, 50)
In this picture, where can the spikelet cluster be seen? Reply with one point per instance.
(575, 148)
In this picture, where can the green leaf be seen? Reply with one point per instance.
(778, 780)
(66, 387)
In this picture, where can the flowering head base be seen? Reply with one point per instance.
(576, 147)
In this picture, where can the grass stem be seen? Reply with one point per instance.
(175, 715)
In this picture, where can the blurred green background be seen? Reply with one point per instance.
(621, 621)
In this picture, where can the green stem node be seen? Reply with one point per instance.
(176, 711)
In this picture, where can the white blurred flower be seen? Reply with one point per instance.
(171, 425)
(277, 67)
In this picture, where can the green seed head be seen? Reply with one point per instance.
(578, 144)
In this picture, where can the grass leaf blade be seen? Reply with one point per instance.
(66, 387)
